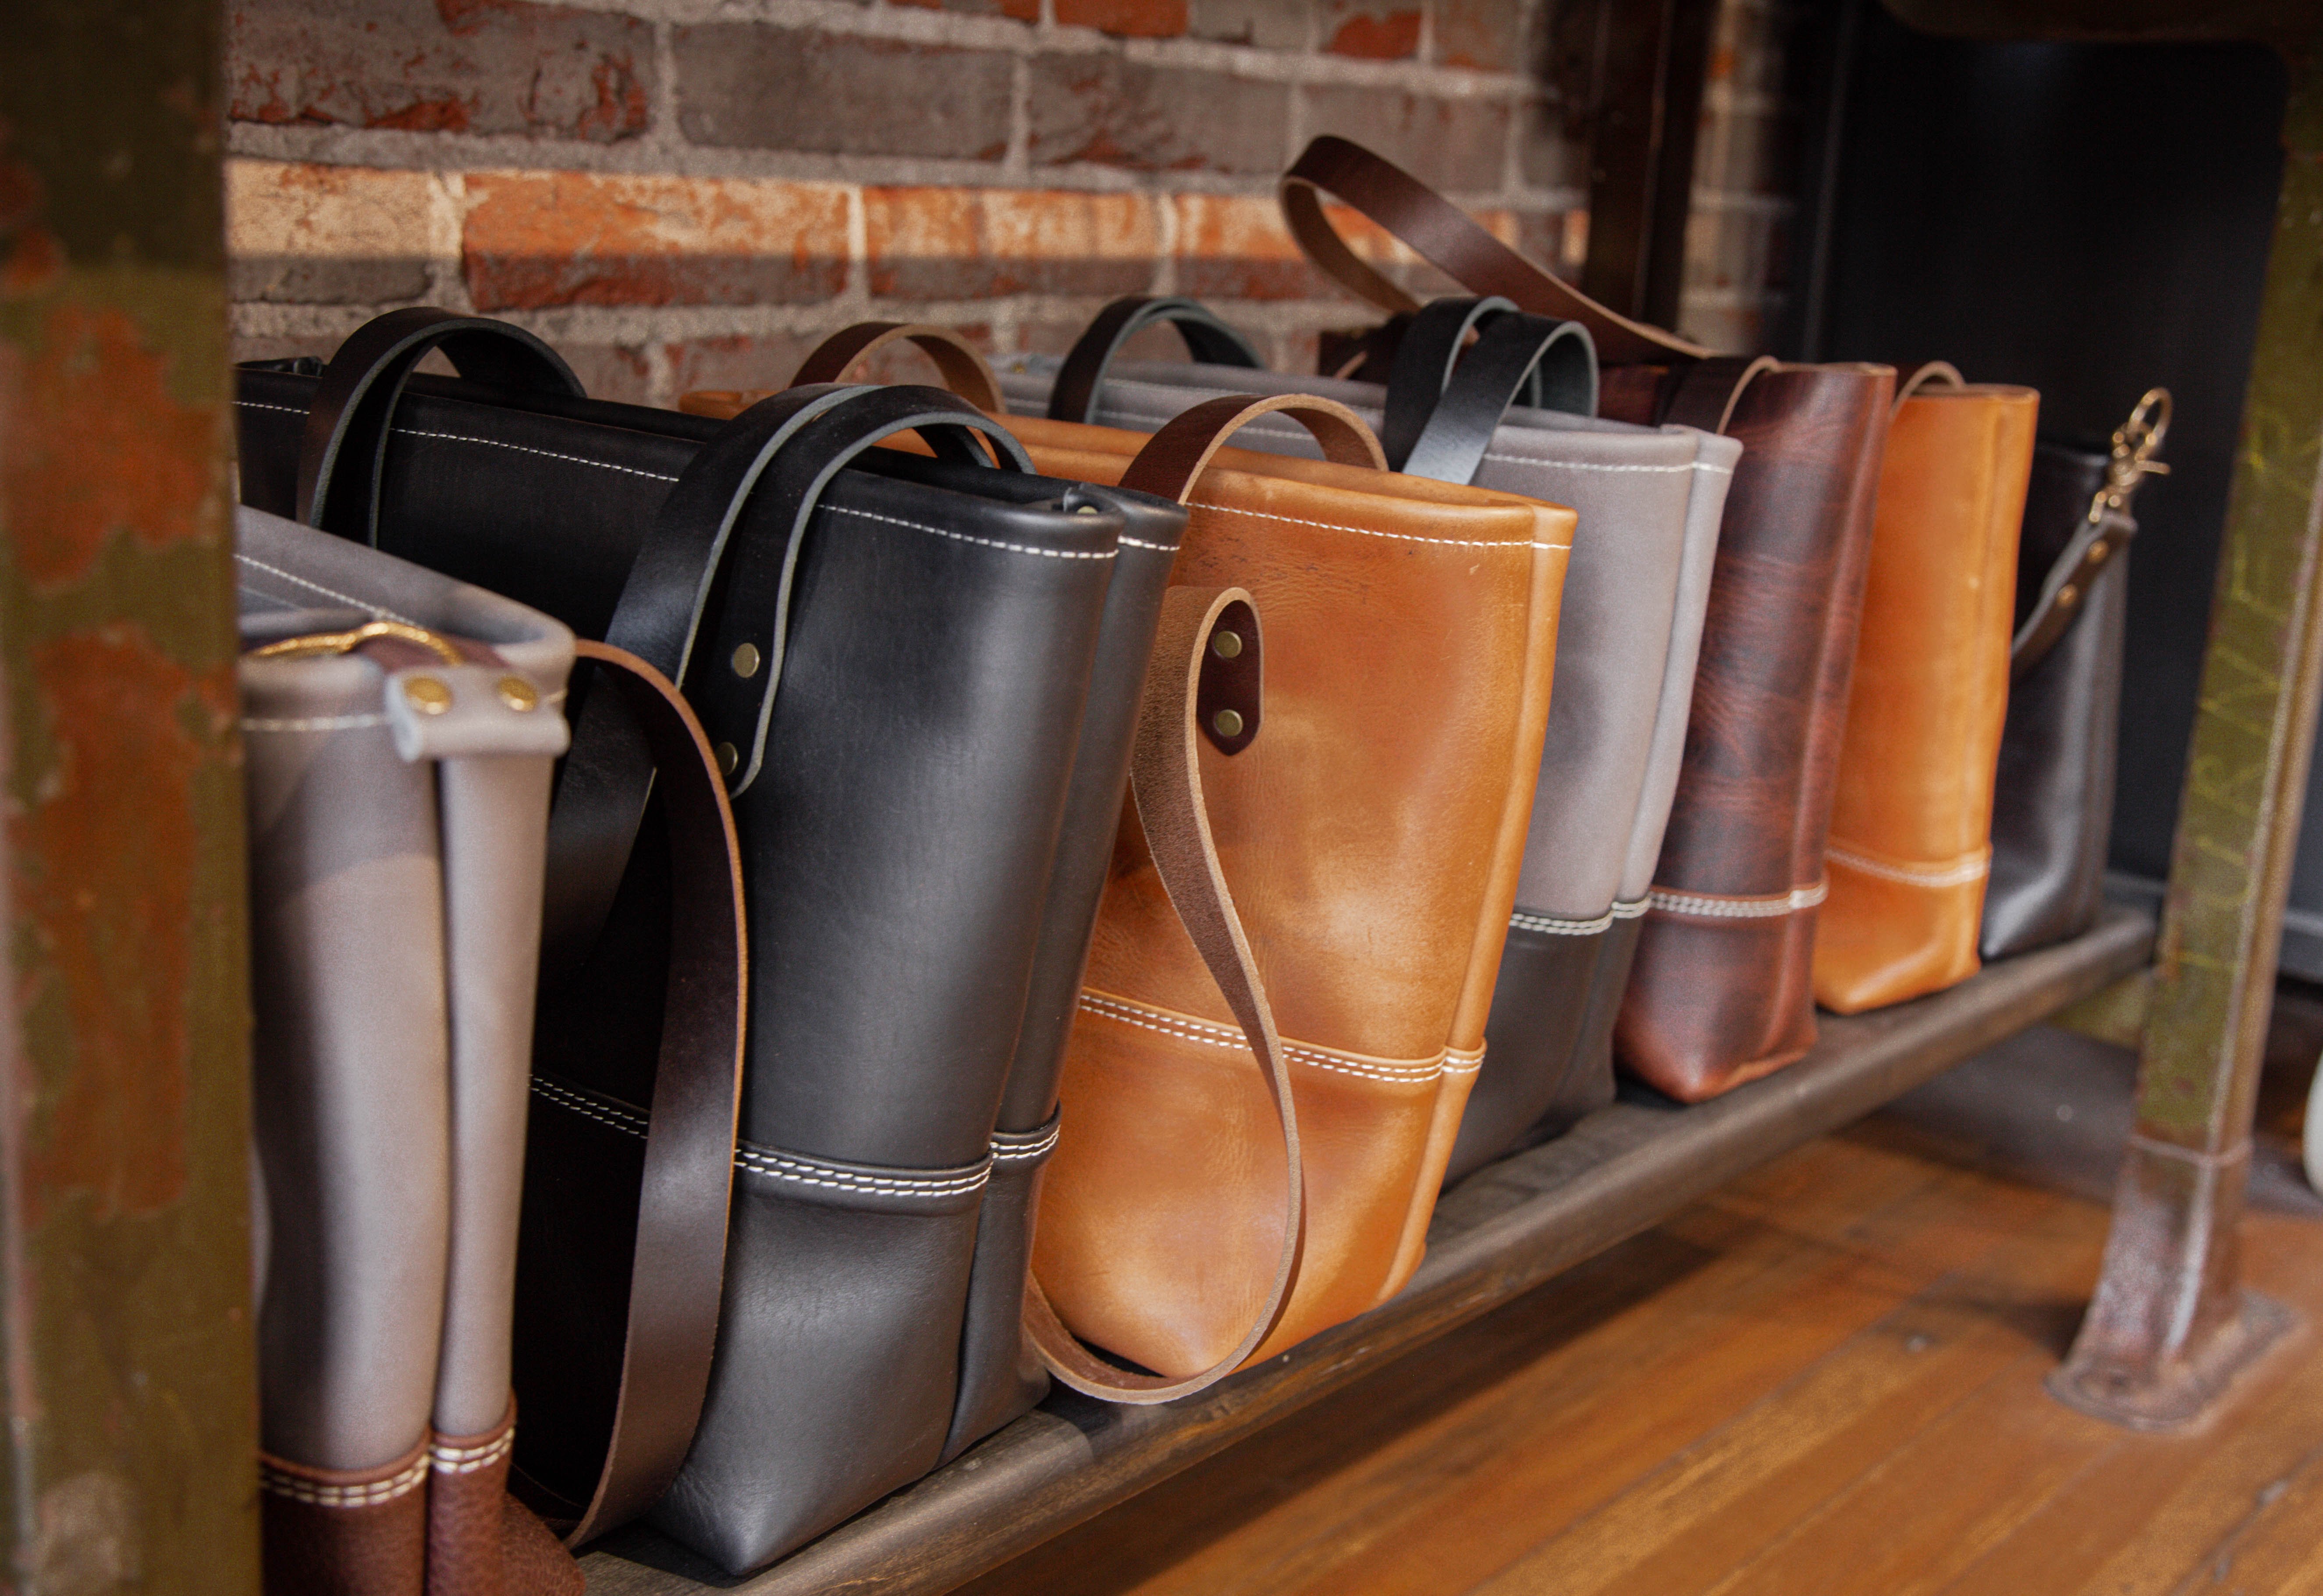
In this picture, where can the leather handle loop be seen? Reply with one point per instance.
(1710, 389)
(679, 1261)
(2065, 588)
(1080, 381)
(344, 446)
(1166, 779)
(1941, 373)
(964, 370)
(1447, 237)
(1175, 458)
(1445, 400)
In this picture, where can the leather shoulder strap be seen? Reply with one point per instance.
(678, 1264)
(1447, 237)
(1165, 777)
(345, 447)
(1708, 391)
(964, 370)
(1443, 405)
(1082, 379)
(2103, 533)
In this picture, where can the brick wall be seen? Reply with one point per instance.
(684, 193)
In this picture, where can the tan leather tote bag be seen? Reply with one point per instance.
(1369, 822)
(1911, 823)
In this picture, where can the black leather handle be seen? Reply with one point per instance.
(1442, 408)
(1081, 378)
(345, 449)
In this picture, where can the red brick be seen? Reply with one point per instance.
(1451, 143)
(610, 371)
(1373, 30)
(1266, 24)
(746, 85)
(451, 66)
(311, 234)
(1133, 19)
(742, 363)
(1235, 247)
(1483, 34)
(1021, 11)
(1102, 108)
(968, 243)
(536, 239)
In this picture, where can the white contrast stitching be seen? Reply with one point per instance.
(604, 1114)
(1166, 549)
(453, 437)
(1013, 549)
(1967, 867)
(778, 1167)
(254, 405)
(400, 1483)
(1367, 532)
(314, 723)
(1397, 1072)
(1590, 464)
(1011, 1152)
(1631, 910)
(1548, 926)
(362, 604)
(1740, 908)
(467, 1459)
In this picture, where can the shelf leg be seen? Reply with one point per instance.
(2171, 1323)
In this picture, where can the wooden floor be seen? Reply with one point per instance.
(1825, 1381)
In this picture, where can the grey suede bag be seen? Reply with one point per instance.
(1649, 500)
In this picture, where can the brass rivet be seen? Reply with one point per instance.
(726, 758)
(1089, 510)
(2068, 593)
(746, 661)
(427, 695)
(518, 693)
(2098, 551)
(1226, 722)
(1226, 645)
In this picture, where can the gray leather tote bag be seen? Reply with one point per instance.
(1649, 500)
(400, 730)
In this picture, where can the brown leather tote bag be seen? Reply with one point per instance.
(1371, 836)
(1912, 822)
(1720, 987)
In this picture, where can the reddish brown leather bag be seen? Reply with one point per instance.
(1369, 829)
(1720, 990)
(1911, 831)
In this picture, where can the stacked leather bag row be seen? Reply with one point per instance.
(784, 925)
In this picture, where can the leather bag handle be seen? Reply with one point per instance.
(678, 1263)
(1447, 237)
(1445, 400)
(1939, 373)
(1707, 394)
(963, 368)
(2103, 533)
(355, 403)
(1166, 782)
(1175, 458)
(1080, 381)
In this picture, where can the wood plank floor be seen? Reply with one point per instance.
(1826, 1380)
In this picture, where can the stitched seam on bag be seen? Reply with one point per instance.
(1462, 1060)
(1722, 471)
(1967, 867)
(467, 1459)
(1015, 1151)
(379, 1491)
(1740, 908)
(1165, 549)
(776, 1166)
(453, 437)
(362, 604)
(1367, 532)
(1013, 549)
(1549, 925)
(620, 1119)
(314, 723)
(1417, 1073)
(254, 405)
(1631, 910)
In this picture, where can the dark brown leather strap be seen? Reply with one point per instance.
(1709, 390)
(1080, 381)
(2101, 536)
(678, 1267)
(1175, 458)
(1449, 238)
(964, 370)
(1166, 779)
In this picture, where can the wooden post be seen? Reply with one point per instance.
(125, 1338)
(2171, 1323)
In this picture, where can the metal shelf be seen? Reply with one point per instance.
(1498, 1234)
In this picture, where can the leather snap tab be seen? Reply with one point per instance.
(746, 660)
(1226, 693)
(518, 693)
(427, 695)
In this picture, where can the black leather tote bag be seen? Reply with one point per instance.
(2053, 798)
(922, 675)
